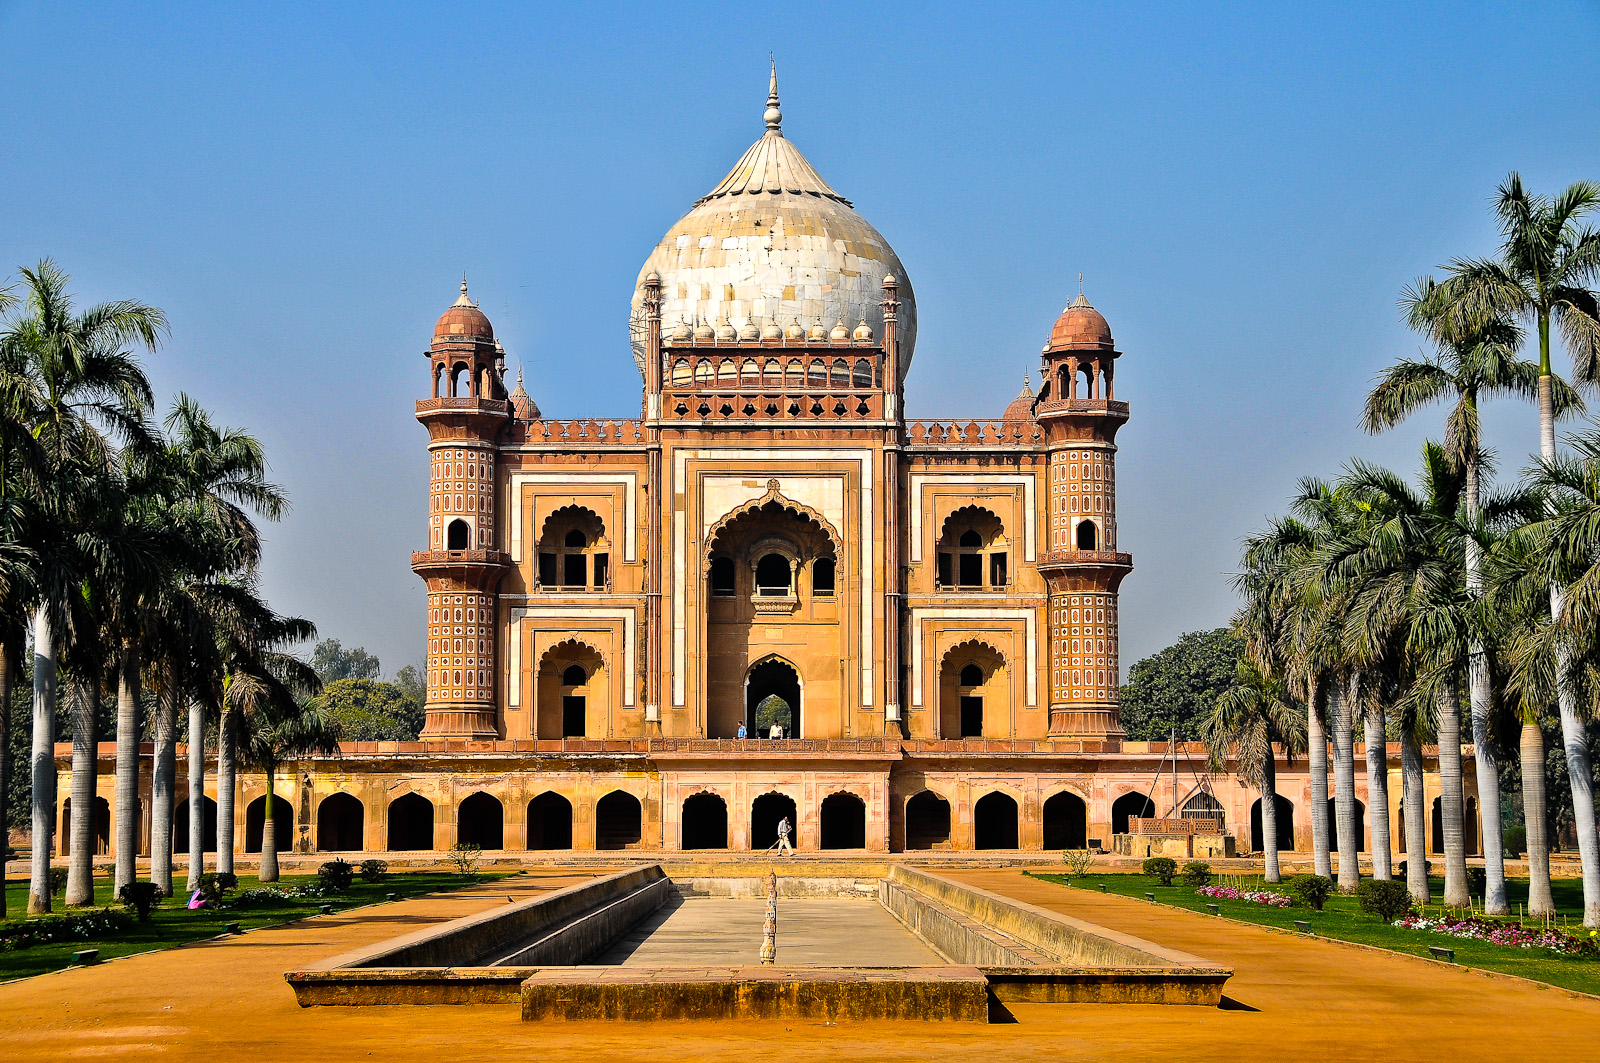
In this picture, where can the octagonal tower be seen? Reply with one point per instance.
(1082, 565)
(462, 565)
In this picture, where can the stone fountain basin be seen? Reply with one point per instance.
(542, 953)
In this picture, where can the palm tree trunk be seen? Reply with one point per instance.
(1317, 763)
(129, 730)
(1269, 815)
(1377, 742)
(227, 782)
(1342, 702)
(1485, 758)
(1411, 807)
(1451, 803)
(85, 765)
(269, 835)
(1535, 817)
(163, 787)
(44, 760)
(196, 752)
(1573, 740)
(8, 648)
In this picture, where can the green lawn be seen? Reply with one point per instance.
(1342, 919)
(174, 924)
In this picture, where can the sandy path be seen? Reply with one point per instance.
(225, 1001)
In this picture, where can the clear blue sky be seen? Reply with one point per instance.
(1245, 189)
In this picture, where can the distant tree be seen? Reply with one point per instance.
(409, 679)
(1179, 685)
(368, 710)
(772, 710)
(332, 662)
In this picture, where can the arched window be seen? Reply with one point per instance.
(722, 577)
(817, 374)
(572, 551)
(460, 380)
(863, 374)
(1088, 535)
(772, 374)
(972, 676)
(773, 575)
(822, 577)
(840, 376)
(680, 373)
(574, 702)
(973, 540)
(459, 535)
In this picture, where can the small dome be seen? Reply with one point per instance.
(704, 331)
(1021, 408)
(749, 330)
(816, 332)
(683, 331)
(521, 404)
(463, 320)
(771, 331)
(726, 333)
(863, 331)
(839, 332)
(1080, 328)
(794, 331)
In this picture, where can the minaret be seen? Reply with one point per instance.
(1082, 566)
(463, 563)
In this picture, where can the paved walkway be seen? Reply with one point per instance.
(227, 1000)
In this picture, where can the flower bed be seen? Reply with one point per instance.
(271, 895)
(26, 934)
(1234, 893)
(1509, 934)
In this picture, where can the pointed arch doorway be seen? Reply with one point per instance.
(772, 695)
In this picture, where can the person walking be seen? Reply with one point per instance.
(783, 837)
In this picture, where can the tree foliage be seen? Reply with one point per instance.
(370, 710)
(332, 662)
(1179, 685)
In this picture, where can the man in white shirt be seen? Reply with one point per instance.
(783, 837)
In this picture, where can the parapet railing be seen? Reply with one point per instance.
(1174, 825)
(973, 433)
(579, 431)
(1081, 406)
(467, 402)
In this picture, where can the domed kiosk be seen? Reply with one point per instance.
(773, 246)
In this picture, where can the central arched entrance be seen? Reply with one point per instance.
(772, 695)
(765, 812)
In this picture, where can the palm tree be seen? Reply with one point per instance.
(70, 379)
(1250, 717)
(1406, 568)
(208, 481)
(1275, 623)
(1559, 654)
(1548, 266)
(282, 727)
(1472, 363)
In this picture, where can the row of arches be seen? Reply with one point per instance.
(995, 821)
(774, 374)
(704, 821)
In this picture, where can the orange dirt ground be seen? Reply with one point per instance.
(227, 1000)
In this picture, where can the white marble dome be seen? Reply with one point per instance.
(774, 245)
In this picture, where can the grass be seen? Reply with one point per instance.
(173, 923)
(1343, 920)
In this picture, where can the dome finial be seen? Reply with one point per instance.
(463, 299)
(774, 117)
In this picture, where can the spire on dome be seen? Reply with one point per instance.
(521, 403)
(774, 117)
(462, 299)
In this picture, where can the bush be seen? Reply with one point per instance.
(216, 885)
(1161, 867)
(374, 870)
(1310, 890)
(1477, 881)
(336, 875)
(1197, 873)
(58, 879)
(140, 897)
(1078, 861)
(1516, 841)
(465, 855)
(1386, 900)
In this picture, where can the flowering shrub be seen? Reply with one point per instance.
(1234, 893)
(271, 895)
(1509, 934)
(26, 934)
